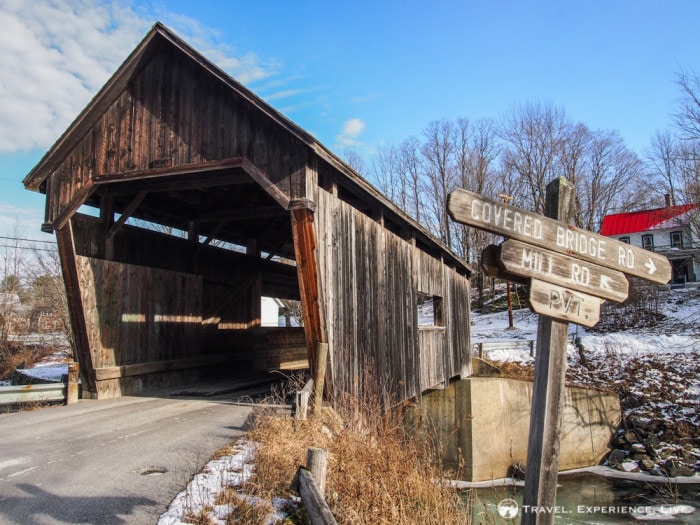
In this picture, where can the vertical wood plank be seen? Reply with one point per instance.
(304, 250)
(66, 252)
(548, 390)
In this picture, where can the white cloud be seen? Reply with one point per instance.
(56, 54)
(351, 130)
(20, 222)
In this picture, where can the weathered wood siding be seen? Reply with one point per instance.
(152, 323)
(370, 280)
(173, 111)
(137, 314)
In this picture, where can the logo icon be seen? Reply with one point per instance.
(508, 508)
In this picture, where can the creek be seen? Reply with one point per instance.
(586, 498)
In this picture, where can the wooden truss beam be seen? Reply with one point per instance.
(307, 271)
(81, 196)
(71, 279)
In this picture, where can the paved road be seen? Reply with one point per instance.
(82, 463)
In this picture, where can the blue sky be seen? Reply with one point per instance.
(355, 74)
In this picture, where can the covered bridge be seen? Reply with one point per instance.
(179, 199)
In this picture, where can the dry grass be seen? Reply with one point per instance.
(13, 355)
(247, 510)
(376, 474)
(513, 370)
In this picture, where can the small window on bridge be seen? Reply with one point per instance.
(281, 312)
(430, 310)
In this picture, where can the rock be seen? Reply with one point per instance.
(653, 440)
(619, 441)
(631, 437)
(674, 468)
(665, 453)
(639, 448)
(631, 401)
(616, 457)
(639, 422)
(629, 466)
(647, 464)
(640, 457)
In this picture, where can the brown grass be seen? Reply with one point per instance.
(13, 355)
(513, 370)
(376, 473)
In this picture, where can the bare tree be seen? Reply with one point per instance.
(477, 151)
(533, 136)
(573, 161)
(48, 289)
(687, 117)
(410, 169)
(663, 164)
(610, 181)
(687, 121)
(438, 151)
(383, 171)
(354, 160)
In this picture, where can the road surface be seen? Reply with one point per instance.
(92, 462)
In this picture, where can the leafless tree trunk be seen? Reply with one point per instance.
(438, 151)
(385, 174)
(533, 135)
(687, 117)
(663, 163)
(354, 160)
(611, 180)
(410, 169)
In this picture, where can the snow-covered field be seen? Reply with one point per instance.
(655, 369)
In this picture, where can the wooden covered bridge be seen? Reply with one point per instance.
(179, 199)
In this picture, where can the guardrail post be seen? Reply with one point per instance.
(72, 384)
(310, 482)
(302, 400)
(317, 464)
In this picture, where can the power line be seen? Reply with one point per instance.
(25, 240)
(28, 248)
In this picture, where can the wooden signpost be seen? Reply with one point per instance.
(561, 303)
(494, 216)
(570, 272)
(529, 261)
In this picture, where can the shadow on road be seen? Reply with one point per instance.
(30, 509)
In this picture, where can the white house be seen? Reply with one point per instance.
(673, 231)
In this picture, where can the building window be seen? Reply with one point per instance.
(677, 240)
(626, 240)
(648, 242)
(430, 310)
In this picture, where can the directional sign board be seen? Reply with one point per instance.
(490, 215)
(531, 261)
(561, 303)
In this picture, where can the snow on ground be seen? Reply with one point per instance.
(651, 361)
(200, 496)
(48, 372)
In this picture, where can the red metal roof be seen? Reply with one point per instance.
(640, 221)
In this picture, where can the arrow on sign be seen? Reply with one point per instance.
(651, 266)
(530, 261)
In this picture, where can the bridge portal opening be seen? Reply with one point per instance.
(173, 271)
